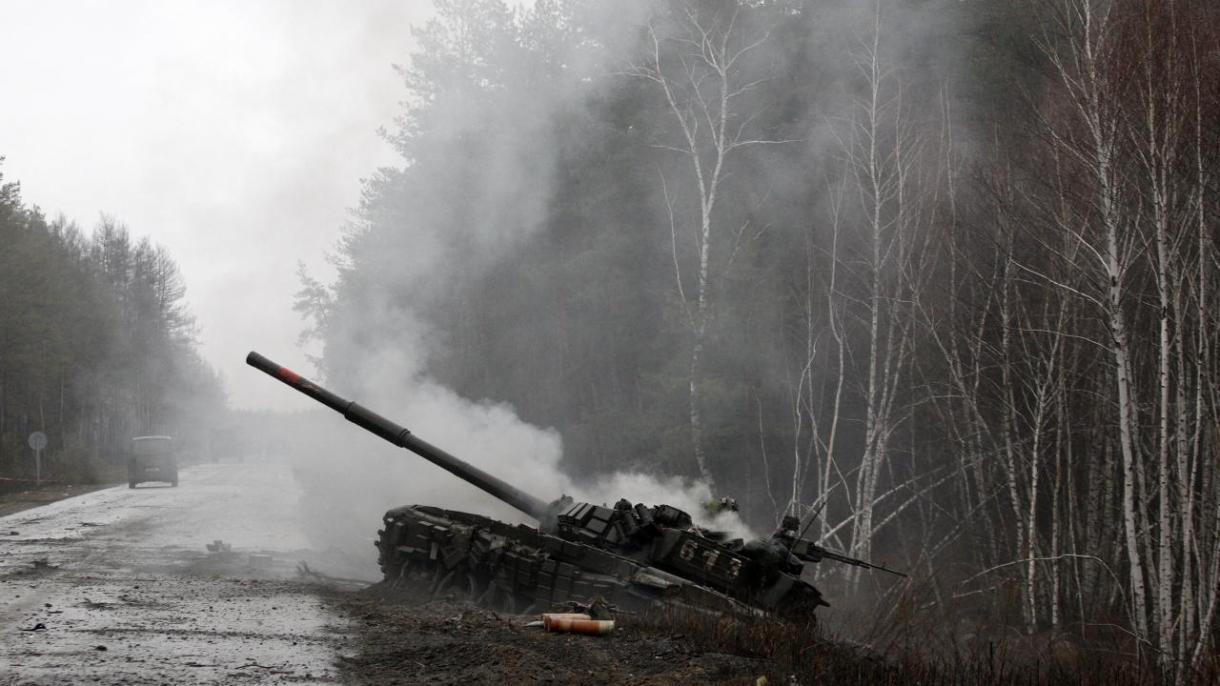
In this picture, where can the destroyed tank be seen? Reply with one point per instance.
(631, 556)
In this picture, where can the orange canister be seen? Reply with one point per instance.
(576, 623)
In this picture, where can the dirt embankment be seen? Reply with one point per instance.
(399, 639)
(406, 641)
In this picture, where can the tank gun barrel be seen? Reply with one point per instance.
(402, 437)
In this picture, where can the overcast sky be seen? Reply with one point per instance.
(234, 132)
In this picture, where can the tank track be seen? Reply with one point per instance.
(519, 569)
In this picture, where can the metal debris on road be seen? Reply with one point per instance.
(304, 571)
(44, 563)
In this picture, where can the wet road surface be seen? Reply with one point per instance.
(118, 586)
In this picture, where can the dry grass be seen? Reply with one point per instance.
(795, 652)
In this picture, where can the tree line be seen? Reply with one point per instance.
(96, 345)
(944, 273)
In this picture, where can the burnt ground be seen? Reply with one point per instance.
(407, 641)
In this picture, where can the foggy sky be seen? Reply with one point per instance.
(233, 132)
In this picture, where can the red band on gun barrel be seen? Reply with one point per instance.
(288, 375)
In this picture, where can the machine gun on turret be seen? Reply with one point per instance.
(811, 552)
(788, 543)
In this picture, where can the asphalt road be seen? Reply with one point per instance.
(118, 586)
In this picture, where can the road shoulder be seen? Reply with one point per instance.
(14, 498)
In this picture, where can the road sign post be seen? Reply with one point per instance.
(38, 441)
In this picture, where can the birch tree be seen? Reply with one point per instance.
(880, 149)
(1133, 123)
(699, 61)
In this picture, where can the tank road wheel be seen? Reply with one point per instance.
(500, 599)
(487, 596)
(397, 580)
(454, 584)
(439, 580)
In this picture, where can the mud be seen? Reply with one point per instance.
(406, 640)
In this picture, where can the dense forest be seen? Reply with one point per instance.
(96, 346)
(944, 272)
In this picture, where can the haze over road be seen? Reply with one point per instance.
(127, 592)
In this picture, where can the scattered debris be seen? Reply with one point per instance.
(595, 618)
(597, 609)
(576, 623)
(304, 571)
(255, 664)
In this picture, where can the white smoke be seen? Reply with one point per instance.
(352, 477)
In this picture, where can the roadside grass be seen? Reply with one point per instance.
(18, 497)
(24, 493)
(904, 647)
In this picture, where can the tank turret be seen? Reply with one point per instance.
(631, 555)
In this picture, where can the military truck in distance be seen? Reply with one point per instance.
(630, 555)
(152, 459)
